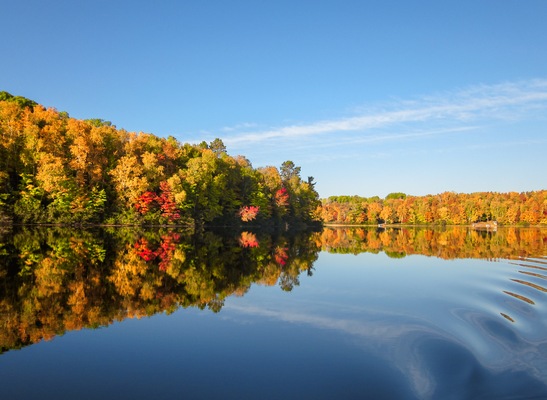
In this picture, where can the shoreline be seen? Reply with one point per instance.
(425, 226)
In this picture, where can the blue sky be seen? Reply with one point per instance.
(368, 97)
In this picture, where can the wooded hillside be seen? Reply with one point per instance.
(58, 169)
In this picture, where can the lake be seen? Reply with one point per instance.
(355, 313)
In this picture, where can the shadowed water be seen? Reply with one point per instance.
(344, 313)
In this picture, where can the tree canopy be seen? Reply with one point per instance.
(57, 169)
(448, 208)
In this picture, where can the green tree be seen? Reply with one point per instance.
(217, 146)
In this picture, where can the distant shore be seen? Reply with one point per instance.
(338, 225)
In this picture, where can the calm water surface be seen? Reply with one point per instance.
(418, 314)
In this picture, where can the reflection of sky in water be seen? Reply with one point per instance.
(443, 324)
(363, 326)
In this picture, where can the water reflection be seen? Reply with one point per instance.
(452, 330)
(522, 244)
(444, 348)
(54, 280)
(449, 243)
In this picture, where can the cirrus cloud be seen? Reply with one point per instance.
(451, 110)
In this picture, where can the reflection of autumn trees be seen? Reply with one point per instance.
(448, 243)
(54, 280)
(50, 283)
(447, 208)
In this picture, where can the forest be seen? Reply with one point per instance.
(448, 208)
(55, 169)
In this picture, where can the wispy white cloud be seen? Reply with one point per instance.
(349, 326)
(352, 140)
(378, 334)
(239, 127)
(502, 101)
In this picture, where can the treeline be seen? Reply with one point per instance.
(448, 208)
(57, 169)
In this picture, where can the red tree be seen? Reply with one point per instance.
(248, 213)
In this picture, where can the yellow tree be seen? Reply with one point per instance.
(129, 180)
(387, 214)
(91, 151)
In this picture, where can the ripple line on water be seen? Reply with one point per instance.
(520, 297)
(533, 274)
(529, 266)
(532, 285)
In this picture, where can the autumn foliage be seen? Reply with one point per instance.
(248, 213)
(248, 239)
(164, 202)
(61, 279)
(164, 250)
(282, 197)
(57, 169)
(447, 243)
(145, 201)
(448, 208)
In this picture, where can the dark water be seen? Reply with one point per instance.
(394, 314)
